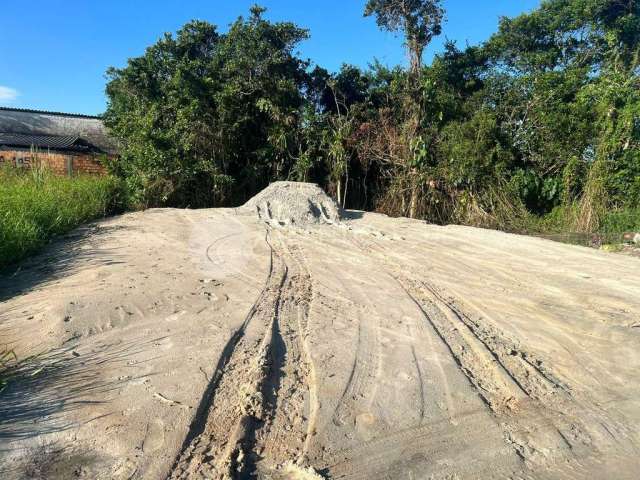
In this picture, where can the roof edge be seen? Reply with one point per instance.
(47, 112)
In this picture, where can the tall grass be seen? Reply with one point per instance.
(36, 206)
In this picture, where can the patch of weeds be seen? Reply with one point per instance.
(36, 206)
(624, 220)
(612, 247)
(8, 365)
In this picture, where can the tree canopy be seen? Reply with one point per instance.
(538, 126)
(419, 20)
(203, 115)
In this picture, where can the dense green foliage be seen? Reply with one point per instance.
(206, 118)
(536, 128)
(35, 206)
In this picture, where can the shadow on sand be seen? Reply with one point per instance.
(46, 389)
(46, 396)
(66, 254)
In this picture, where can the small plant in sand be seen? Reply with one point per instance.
(8, 361)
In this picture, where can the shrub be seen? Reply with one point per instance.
(619, 221)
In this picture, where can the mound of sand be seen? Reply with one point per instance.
(293, 203)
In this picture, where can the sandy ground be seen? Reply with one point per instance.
(203, 344)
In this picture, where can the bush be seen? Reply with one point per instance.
(36, 206)
(620, 221)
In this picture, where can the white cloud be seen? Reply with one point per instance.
(8, 94)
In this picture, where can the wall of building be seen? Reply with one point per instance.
(59, 163)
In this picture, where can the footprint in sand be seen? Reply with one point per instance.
(154, 439)
(124, 470)
(364, 425)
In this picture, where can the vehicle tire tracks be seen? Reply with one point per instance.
(541, 417)
(252, 415)
(363, 374)
(288, 431)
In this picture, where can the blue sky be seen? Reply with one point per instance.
(54, 53)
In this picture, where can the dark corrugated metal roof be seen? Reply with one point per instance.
(56, 142)
(90, 130)
(47, 112)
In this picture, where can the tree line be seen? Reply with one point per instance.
(536, 128)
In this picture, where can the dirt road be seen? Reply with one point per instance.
(229, 343)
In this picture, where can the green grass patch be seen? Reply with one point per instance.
(560, 225)
(35, 206)
(563, 219)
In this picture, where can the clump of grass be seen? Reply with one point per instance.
(8, 362)
(612, 247)
(12, 369)
(36, 206)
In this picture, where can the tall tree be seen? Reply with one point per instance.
(419, 20)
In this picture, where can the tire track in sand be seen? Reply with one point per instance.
(363, 374)
(362, 382)
(288, 429)
(252, 416)
(427, 341)
(426, 448)
(223, 412)
(304, 319)
(580, 422)
(537, 412)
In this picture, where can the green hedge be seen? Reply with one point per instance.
(36, 206)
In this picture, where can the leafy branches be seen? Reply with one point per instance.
(419, 20)
(203, 115)
(543, 117)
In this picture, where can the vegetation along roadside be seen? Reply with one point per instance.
(36, 205)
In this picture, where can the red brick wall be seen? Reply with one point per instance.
(88, 164)
(56, 162)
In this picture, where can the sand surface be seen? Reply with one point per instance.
(263, 343)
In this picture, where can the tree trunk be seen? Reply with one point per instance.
(346, 188)
(339, 191)
(413, 205)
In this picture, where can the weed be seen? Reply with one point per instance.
(8, 360)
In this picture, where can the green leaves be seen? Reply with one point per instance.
(202, 106)
(569, 33)
(419, 20)
(544, 115)
(419, 153)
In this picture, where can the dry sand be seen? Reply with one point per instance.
(276, 340)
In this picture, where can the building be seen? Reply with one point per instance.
(65, 143)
